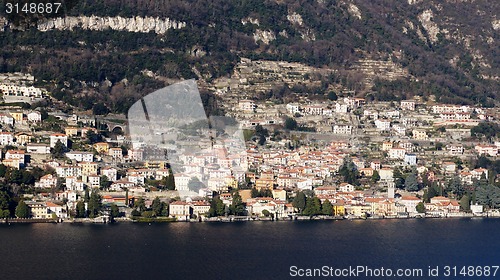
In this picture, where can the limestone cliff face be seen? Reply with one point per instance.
(133, 24)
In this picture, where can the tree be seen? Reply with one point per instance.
(266, 213)
(140, 204)
(217, 207)
(465, 203)
(254, 192)
(114, 211)
(170, 184)
(455, 186)
(95, 204)
(488, 195)
(237, 206)
(157, 206)
(349, 172)
(399, 179)
(420, 207)
(299, 201)
(58, 150)
(375, 177)
(411, 182)
(86, 196)
(5, 203)
(22, 210)
(332, 96)
(290, 124)
(327, 208)
(313, 206)
(104, 182)
(80, 210)
(100, 109)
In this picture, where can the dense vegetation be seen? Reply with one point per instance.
(107, 58)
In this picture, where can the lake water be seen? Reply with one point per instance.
(246, 250)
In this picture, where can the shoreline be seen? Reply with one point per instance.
(236, 219)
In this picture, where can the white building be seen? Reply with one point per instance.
(37, 148)
(34, 116)
(80, 156)
(383, 124)
(397, 153)
(342, 129)
(6, 138)
(58, 137)
(46, 182)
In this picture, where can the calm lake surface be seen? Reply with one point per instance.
(246, 250)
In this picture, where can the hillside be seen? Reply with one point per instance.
(117, 50)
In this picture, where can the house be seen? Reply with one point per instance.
(397, 153)
(180, 210)
(56, 209)
(14, 163)
(88, 168)
(247, 105)
(408, 105)
(410, 159)
(101, 147)
(71, 131)
(54, 138)
(383, 125)
(38, 148)
(110, 172)
(419, 134)
(455, 149)
(68, 170)
(6, 138)
(346, 187)
(18, 116)
(136, 154)
(6, 119)
(34, 117)
(449, 167)
(38, 210)
(16, 154)
(46, 182)
(80, 156)
(23, 138)
(385, 174)
(200, 208)
(181, 181)
(293, 108)
(410, 203)
(491, 150)
(115, 153)
(342, 129)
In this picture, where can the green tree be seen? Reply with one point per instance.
(411, 182)
(266, 213)
(455, 186)
(299, 201)
(349, 172)
(313, 206)
(114, 211)
(157, 206)
(332, 96)
(237, 206)
(399, 179)
(327, 208)
(22, 210)
(465, 203)
(290, 124)
(488, 195)
(80, 210)
(100, 109)
(217, 207)
(95, 204)
(375, 177)
(58, 150)
(104, 182)
(195, 184)
(254, 192)
(140, 204)
(420, 207)
(86, 196)
(170, 184)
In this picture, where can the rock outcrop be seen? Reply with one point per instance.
(133, 24)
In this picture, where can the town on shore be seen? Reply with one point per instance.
(331, 158)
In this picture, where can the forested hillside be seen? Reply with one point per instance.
(449, 49)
